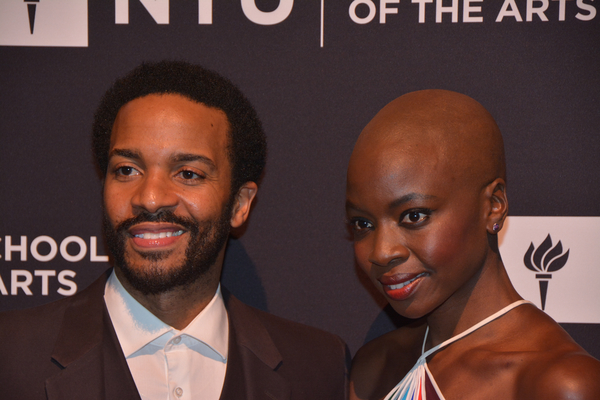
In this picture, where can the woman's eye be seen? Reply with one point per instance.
(414, 217)
(360, 225)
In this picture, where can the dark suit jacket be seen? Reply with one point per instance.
(69, 350)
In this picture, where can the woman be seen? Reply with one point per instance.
(426, 198)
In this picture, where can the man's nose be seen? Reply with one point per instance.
(388, 248)
(154, 193)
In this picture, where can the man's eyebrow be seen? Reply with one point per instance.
(125, 153)
(187, 157)
(409, 197)
(180, 157)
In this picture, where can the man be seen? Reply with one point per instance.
(181, 151)
(426, 198)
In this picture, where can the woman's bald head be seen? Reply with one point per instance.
(450, 129)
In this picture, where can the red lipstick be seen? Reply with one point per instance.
(401, 286)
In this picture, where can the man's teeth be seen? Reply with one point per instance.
(401, 285)
(160, 235)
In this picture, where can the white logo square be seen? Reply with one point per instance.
(555, 263)
(57, 23)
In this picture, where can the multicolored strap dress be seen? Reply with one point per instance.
(419, 383)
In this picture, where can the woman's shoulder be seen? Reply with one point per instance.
(537, 331)
(567, 375)
(380, 364)
(555, 367)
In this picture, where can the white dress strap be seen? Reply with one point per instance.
(414, 385)
(471, 329)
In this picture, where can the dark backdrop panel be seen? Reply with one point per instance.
(539, 79)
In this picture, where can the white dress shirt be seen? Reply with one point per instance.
(167, 363)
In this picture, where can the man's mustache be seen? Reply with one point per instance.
(160, 216)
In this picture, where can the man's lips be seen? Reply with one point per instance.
(155, 235)
(158, 235)
(401, 286)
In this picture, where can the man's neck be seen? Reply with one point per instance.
(179, 306)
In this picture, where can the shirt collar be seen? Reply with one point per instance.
(135, 326)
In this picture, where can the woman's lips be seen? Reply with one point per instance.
(401, 286)
(155, 235)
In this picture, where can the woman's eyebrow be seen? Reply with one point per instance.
(410, 197)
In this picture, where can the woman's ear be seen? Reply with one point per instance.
(242, 204)
(495, 195)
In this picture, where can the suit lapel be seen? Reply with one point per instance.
(253, 358)
(94, 368)
(234, 386)
(87, 350)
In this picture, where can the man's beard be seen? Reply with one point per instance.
(206, 239)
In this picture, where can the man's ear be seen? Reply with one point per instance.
(242, 203)
(495, 195)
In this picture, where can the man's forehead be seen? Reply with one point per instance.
(170, 127)
(169, 109)
(175, 100)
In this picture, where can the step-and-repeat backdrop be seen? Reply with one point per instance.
(317, 72)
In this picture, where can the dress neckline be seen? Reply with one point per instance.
(419, 383)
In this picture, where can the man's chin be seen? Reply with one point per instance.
(143, 256)
(178, 264)
(156, 280)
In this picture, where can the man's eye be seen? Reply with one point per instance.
(127, 171)
(190, 175)
(412, 217)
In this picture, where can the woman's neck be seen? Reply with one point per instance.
(483, 295)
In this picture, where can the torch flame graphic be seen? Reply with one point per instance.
(31, 6)
(544, 260)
